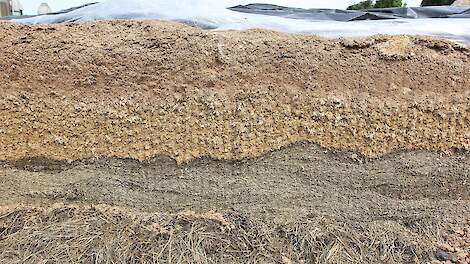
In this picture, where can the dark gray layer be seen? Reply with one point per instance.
(282, 186)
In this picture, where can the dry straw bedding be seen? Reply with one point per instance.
(103, 234)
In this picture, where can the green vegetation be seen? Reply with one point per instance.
(362, 5)
(388, 3)
(368, 4)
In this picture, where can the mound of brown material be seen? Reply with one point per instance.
(141, 89)
(147, 90)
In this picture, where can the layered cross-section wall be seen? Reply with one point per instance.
(144, 89)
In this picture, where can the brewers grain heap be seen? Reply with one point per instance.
(106, 129)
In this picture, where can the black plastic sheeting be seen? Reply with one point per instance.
(352, 15)
(71, 9)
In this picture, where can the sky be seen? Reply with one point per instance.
(30, 6)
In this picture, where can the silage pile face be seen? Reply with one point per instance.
(140, 90)
(143, 89)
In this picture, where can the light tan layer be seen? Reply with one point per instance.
(141, 89)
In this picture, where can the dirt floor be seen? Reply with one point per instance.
(153, 142)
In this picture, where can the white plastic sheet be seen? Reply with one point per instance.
(214, 14)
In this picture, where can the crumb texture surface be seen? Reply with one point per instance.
(142, 89)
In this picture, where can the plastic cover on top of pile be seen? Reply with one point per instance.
(214, 14)
(352, 15)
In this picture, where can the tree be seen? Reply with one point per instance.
(388, 3)
(367, 4)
